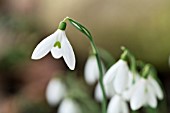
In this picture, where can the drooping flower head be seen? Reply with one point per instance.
(146, 92)
(59, 46)
(91, 71)
(55, 92)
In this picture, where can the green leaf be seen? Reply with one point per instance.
(106, 57)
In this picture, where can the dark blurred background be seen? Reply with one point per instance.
(142, 26)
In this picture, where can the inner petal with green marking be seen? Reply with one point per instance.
(57, 44)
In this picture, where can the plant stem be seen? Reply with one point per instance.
(95, 51)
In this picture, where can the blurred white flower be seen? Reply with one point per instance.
(69, 106)
(117, 76)
(91, 71)
(117, 105)
(55, 92)
(59, 46)
(145, 92)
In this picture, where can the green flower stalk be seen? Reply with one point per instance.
(81, 28)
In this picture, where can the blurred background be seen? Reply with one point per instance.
(142, 26)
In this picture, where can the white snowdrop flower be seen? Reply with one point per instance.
(117, 105)
(117, 76)
(133, 79)
(69, 106)
(55, 92)
(91, 71)
(144, 94)
(59, 46)
(98, 92)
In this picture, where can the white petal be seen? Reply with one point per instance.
(55, 92)
(44, 47)
(156, 87)
(114, 105)
(56, 52)
(91, 72)
(151, 97)
(98, 93)
(124, 106)
(69, 106)
(110, 92)
(68, 53)
(121, 78)
(110, 74)
(130, 80)
(138, 97)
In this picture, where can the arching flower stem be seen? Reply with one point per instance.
(81, 28)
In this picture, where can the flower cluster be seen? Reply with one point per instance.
(123, 86)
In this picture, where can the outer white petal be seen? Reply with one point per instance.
(110, 74)
(139, 95)
(114, 105)
(44, 47)
(110, 92)
(124, 106)
(68, 53)
(151, 97)
(69, 106)
(55, 92)
(121, 78)
(156, 87)
(98, 93)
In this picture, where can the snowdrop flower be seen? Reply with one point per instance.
(145, 93)
(56, 90)
(117, 76)
(117, 105)
(98, 92)
(69, 106)
(91, 72)
(59, 46)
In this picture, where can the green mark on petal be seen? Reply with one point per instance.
(57, 44)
